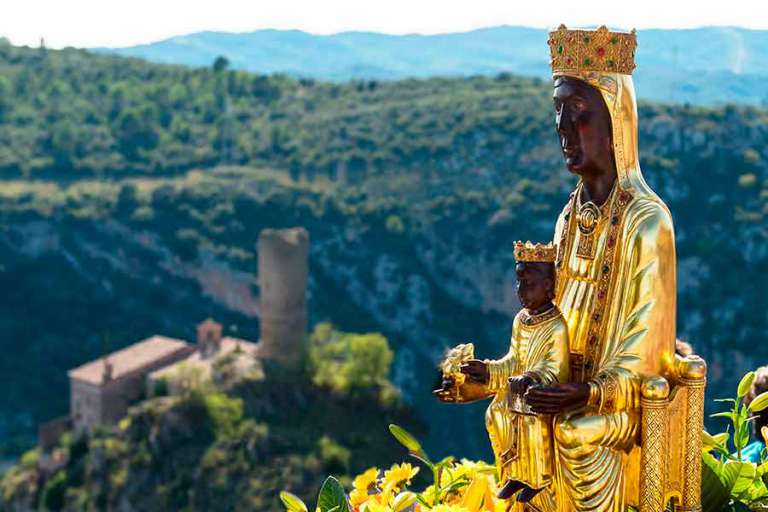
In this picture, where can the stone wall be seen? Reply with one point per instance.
(84, 405)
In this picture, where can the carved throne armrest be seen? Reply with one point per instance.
(672, 421)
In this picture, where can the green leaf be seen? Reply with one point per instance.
(426, 462)
(737, 476)
(741, 438)
(707, 441)
(406, 439)
(756, 491)
(721, 439)
(455, 485)
(332, 497)
(728, 415)
(292, 502)
(759, 403)
(714, 494)
(745, 384)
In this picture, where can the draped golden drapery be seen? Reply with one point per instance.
(619, 302)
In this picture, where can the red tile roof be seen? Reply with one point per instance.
(134, 358)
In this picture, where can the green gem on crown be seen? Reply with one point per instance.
(560, 50)
(614, 40)
(587, 39)
(587, 61)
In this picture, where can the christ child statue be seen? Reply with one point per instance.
(538, 356)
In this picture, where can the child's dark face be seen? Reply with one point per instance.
(535, 284)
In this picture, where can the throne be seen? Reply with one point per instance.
(670, 447)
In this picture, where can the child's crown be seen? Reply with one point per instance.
(527, 251)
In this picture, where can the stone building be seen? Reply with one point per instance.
(102, 390)
(213, 350)
(283, 269)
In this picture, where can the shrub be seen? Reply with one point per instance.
(54, 492)
(349, 363)
(224, 412)
(29, 458)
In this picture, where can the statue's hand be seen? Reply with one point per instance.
(476, 370)
(446, 393)
(557, 398)
(519, 384)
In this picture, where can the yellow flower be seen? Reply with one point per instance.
(358, 497)
(364, 486)
(375, 502)
(448, 508)
(375, 506)
(366, 481)
(398, 476)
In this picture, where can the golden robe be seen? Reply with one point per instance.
(616, 290)
(522, 444)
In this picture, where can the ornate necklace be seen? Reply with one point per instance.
(529, 319)
(588, 217)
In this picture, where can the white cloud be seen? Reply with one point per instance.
(125, 23)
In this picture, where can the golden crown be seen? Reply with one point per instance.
(527, 251)
(576, 50)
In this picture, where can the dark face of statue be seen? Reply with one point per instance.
(584, 127)
(535, 284)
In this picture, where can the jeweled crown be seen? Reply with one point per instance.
(527, 251)
(576, 50)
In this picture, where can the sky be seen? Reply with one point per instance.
(88, 23)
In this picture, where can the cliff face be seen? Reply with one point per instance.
(147, 256)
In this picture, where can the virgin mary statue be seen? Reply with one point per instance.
(615, 279)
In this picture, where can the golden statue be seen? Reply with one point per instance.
(616, 290)
(538, 355)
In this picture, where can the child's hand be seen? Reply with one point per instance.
(476, 370)
(446, 392)
(519, 384)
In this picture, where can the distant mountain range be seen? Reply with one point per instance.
(697, 66)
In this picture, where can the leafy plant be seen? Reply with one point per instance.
(728, 481)
(457, 486)
(331, 498)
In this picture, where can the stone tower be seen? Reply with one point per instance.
(283, 259)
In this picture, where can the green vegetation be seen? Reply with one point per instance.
(133, 194)
(730, 483)
(351, 364)
(209, 449)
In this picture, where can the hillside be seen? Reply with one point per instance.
(699, 66)
(133, 194)
(223, 448)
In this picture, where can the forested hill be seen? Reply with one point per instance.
(133, 194)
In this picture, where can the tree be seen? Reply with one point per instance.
(221, 64)
(349, 363)
(136, 132)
